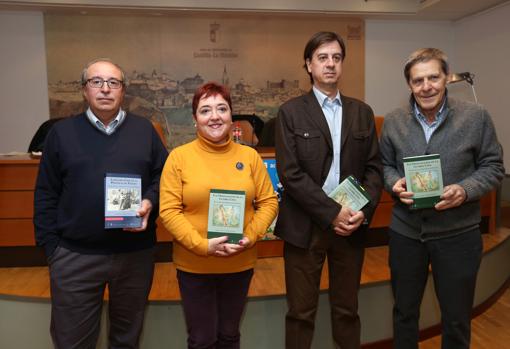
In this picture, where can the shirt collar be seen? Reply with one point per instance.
(322, 98)
(112, 126)
(440, 113)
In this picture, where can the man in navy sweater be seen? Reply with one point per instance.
(69, 215)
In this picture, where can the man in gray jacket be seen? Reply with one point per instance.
(446, 236)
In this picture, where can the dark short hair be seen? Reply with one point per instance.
(423, 55)
(317, 40)
(210, 89)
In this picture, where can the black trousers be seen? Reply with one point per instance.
(303, 269)
(213, 307)
(455, 262)
(78, 283)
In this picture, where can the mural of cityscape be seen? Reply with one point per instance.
(161, 88)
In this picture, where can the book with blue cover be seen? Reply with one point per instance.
(278, 189)
(273, 175)
(123, 196)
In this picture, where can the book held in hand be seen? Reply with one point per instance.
(425, 179)
(123, 196)
(351, 194)
(226, 214)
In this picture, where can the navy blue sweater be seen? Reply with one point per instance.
(69, 193)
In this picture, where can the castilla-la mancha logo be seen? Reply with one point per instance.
(214, 32)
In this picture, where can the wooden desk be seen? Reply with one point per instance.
(17, 181)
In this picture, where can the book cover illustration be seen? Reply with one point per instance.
(351, 194)
(123, 196)
(226, 214)
(424, 178)
(424, 181)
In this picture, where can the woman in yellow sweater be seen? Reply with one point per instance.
(214, 275)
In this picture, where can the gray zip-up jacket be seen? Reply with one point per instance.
(471, 157)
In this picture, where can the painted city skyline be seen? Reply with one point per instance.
(261, 64)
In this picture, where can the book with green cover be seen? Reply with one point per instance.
(350, 193)
(425, 179)
(226, 214)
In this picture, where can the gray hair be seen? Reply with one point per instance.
(84, 72)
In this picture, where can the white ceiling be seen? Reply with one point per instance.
(404, 9)
(454, 9)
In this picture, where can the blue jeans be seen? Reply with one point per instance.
(455, 262)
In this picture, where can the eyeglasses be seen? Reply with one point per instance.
(98, 83)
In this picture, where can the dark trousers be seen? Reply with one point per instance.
(213, 306)
(303, 269)
(78, 282)
(455, 262)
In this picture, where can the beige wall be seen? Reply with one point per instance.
(482, 46)
(477, 43)
(388, 43)
(23, 83)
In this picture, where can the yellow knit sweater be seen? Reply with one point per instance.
(190, 172)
